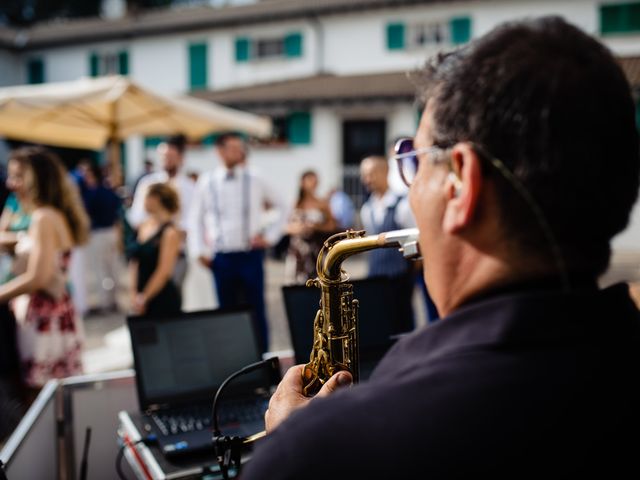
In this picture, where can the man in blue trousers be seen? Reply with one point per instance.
(228, 232)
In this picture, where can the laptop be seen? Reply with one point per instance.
(375, 317)
(180, 361)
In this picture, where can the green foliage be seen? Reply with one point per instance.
(27, 12)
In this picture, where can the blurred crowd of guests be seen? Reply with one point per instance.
(68, 238)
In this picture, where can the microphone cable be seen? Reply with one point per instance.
(229, 449)
(85, 454)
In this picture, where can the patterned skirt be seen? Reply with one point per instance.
(49, 338)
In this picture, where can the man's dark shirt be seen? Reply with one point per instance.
(527, 383)
(102, 205)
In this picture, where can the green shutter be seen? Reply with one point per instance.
(198, 66)
(633, 17)
(293, 45)
(243, 49)
(35, 71)
(94, 64)
(123, 62)
(395, 36)
(620, 18)
(299, 128)
(209, 140)
(152, 142)
(460, 30)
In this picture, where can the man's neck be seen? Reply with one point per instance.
(472, 273)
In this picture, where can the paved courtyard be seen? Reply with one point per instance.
(107, 341)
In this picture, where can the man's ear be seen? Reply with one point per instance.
(462, 188)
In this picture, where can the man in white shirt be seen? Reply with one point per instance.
(382, 212)
(171, 152)
(229, 228)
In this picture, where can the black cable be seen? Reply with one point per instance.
(229, 449)
(119, 458)
(272, 362)
(3, 475)
(85, 454)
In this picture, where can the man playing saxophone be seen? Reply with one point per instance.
(524, 166)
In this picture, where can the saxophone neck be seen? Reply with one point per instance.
(341, 246)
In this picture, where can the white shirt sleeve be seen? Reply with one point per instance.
(196, 219)
(275, 229)
(137, 214)
(365, 218)
(187, 190)
(404, 216)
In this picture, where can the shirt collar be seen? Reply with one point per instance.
(388, 199)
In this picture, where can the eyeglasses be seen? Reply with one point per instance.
(407, 158)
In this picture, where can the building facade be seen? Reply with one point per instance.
(332, 74)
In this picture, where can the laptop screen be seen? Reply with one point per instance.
(375, 318)
(188, 356)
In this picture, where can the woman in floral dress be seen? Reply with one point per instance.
(49, 335)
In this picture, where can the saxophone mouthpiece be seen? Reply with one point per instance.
(406, 239)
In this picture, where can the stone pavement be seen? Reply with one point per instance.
(107, 342)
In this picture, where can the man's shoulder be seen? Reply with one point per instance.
(149, 179)
(205, 178)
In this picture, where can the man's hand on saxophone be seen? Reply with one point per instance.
(289, 397)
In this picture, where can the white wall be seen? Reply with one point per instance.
(64, 64)
(161, 63)
(228, 73)
(12, 69)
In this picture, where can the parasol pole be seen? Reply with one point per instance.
(115, 170)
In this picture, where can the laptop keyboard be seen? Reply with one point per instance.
(175, 421)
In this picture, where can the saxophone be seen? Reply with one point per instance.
(335, 327)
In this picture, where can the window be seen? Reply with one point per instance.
(454, 31)
(425, 34)
(198, 66)
(109, 63)
(288, 46)
(269, 48)
(291, 129)
(35, 71)
(620, 18)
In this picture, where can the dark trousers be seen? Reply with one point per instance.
(239, 279)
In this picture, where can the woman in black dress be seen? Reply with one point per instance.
(154, 255)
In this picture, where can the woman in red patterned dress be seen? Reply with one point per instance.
(49, 334)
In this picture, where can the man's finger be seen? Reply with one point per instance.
(339, 380)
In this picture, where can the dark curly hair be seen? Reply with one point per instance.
(555, 107)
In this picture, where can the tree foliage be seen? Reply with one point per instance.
(28, 12)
